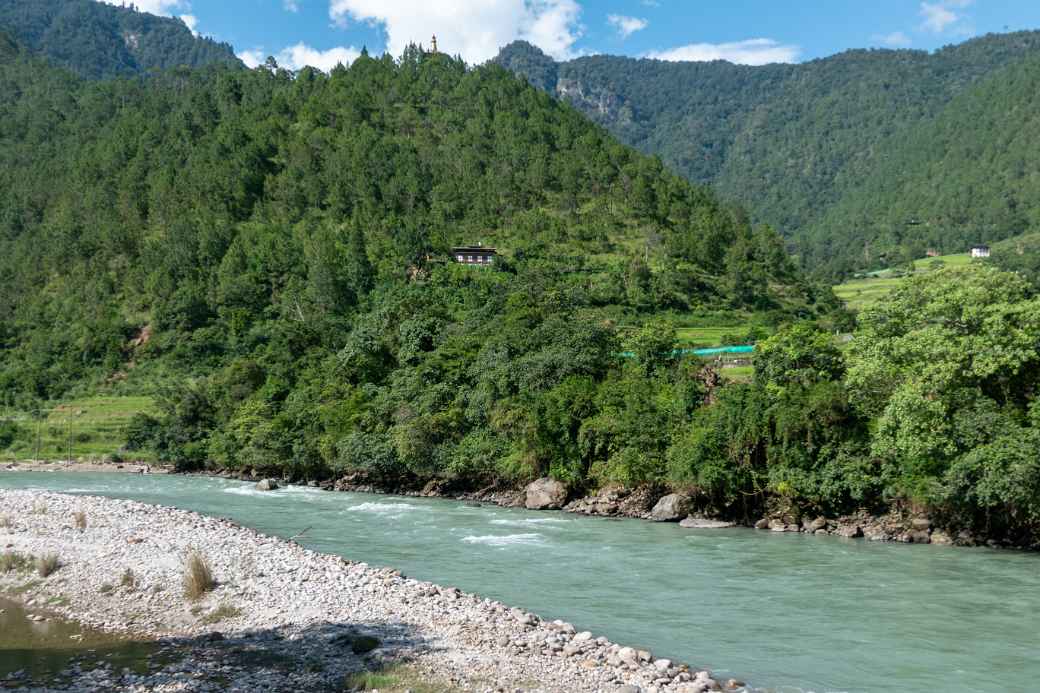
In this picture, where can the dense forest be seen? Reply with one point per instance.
(269, 254)
(99, 40)
(862, 160)
(271, 251)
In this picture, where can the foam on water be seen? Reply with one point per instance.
(527, 522)
(528, 539)
(381, 508)
(249, 491)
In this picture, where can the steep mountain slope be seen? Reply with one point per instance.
(787, 141)
(277, 246)
(99, 40)
(969, 174)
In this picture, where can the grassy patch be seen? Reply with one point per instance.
(395, 679)
(198, 576)
(13, 561)
(6, 522)
(221, 613)
(738, 374)
(96, 427)
(80, 519)
(128, 579)
(861, 292)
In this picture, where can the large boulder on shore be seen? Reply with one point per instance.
(545, 494)
(673, 507)
(266, 485)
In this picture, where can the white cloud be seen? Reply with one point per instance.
(942, 14)
(897, 39)
(291, 5)
(300, 56)
(191, 21)
(160, 7)
(626, 26)
(252, 58)
(758, 51)
(474, 29)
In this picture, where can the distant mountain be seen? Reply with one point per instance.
(816, 149)
(97, 40)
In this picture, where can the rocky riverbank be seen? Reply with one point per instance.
(646, 503)
(660, 505)
(280, 617)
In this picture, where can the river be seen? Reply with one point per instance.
(786, 611)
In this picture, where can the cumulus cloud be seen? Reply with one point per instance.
(626, 26)
(301, 55)
(941, 15)
(291, 5)
(758, 51)
(474, 29)
(897, 39)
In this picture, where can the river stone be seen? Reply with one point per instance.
(813, 525)
(942, 538)
(919, 537)
(921, 523)
(545, 494)
(266, 485)
(629, 688)
(583, 636)
(628, 655)
(849, 531)
(762, 524)
(700, 523)
(777, 525)
(672, 507)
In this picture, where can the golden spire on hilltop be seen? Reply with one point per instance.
(434, 49)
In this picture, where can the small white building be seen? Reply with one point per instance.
(980, 251)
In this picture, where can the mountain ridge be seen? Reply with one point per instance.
(98, 40)
(788, 142)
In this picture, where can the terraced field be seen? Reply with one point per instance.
(859, 293)
(89, 428)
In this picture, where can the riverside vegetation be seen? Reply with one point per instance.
(268, 252)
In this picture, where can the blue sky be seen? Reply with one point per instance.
(324, 32)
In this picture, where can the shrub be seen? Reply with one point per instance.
(47, 564)
(80, 518)
(221, 613)
(6, 522)
(128, 580)
(198, 576)
(12, 560)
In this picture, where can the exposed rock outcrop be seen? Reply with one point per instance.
(545, 494)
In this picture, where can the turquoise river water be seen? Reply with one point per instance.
(787, 612)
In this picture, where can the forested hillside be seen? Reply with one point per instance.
(271, 251)
(845, 154)
(99, 40)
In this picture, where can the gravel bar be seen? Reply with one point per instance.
(283, 617)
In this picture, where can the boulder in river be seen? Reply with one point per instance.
(813, 525)
(266, 485)
(692, 522)
(672, 507)
(545, 494)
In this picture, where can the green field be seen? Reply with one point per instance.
(858, 293)
(92, 427)
(704, 336)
